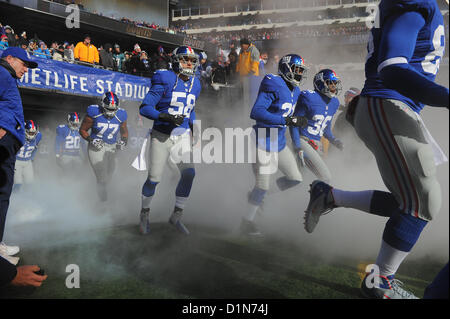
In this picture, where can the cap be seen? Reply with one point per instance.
(20, 54)
(87, 36)
(116, 46)
(136, 46)
(7, 27)
(4, 36)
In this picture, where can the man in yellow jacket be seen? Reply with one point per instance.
(86, 52)
(248, 69)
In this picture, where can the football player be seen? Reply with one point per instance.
(68, 143)
(404, 52)
(24, 173)
(105, 122)
(319, 107)
(170, 104)
(273, 112)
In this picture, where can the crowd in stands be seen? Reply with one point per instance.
(108, 56)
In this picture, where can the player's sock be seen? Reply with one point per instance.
(185, 183)
(372, 202)
(255, 200)
(148, 190)
(389, 259)
(180, 202)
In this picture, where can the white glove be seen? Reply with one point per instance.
(301, 157)
(97, 144)
(120, 145)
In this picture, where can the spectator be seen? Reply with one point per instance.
(23, 44)
(263, 59)
(160, 60)
(58, 55)
(106, 56)
(11, 37)
(42, 52)
(118, 58)
(248, 68)
(127, 67)
(54, 46)
(135, 58)
(144, 66)
(69, 52)
(4, 42)
(86, 52)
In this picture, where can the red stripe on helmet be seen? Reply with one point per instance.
(112, 97)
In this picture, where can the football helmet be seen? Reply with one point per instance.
(31, 130)
(110, 104)
(292, 68)
(323, 79)
(181, 58)
(73, 121)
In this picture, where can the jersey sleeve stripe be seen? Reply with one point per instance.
(396, 60)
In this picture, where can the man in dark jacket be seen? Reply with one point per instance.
(14, 63)
(106, 56)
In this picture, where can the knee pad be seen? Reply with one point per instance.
(185, 184)
(284, 183)
(149, 187)
(256, 196)
(403, 230)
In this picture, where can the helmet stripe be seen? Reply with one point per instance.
(112, 98)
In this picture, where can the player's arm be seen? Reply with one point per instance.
(328, 134)
(260, 110)
(397, 46)
(300, 110)
(85, 126)
(148, 106)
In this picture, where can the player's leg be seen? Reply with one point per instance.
(182, 192)
(28, 173)
(159, 147)
(97, 161)
(288, 166)
(18, 176)
(438, 289)
(315, 162)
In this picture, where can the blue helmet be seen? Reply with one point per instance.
(323, 79)
(73, 120)
(293, 69)
(31, 130)
(182, 55)
(110, 104)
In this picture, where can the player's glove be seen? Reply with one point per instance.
(298, 121)
(97, 144)
(121, 144)
(176, 120)
(338, 144)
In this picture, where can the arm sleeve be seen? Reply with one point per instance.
(260, 112)
(7, 272)
(148, 107)
(397, 46)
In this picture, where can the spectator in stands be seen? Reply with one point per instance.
(42, 52)
(160, 60)
(248, 69)
(86, 52)
(144, 67)
(23, 44)
(263, 59)
(23, 36)
(53, 47)
(11, 37)
(135, 58)
(69, 52)
(127, 67)
(106, 56)
(58, 54)
(118, 58)
(4, 42)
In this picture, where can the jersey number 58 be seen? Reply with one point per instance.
(179, 108)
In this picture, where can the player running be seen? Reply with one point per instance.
(68, 143)
(319, 107)
(170, 103)
(273, 111)
(24, 172)
(403, 59)
(105, 122)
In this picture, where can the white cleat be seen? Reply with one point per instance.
(8, 250)
(386, 288)
(321, 202)
(175, 220)
(144, 224)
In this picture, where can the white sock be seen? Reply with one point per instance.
(358, 200)
(180, 202)
(389, 259)
(146, 201)
(252, 212)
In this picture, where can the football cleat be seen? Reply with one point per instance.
(321, 202)
(144, 224)
(248, 228)
(386, 288)
(8, 250)
(175, 220)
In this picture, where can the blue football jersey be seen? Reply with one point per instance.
(68, 142)
(170, 94)
(319, 110)
(428, 50)
(28, 150)
(274, 103)
(105, 128)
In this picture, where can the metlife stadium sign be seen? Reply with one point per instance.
(56, 76)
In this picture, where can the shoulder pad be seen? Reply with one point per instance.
(271, 83)
(93, 110)
(424, 7)
(163, 77)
